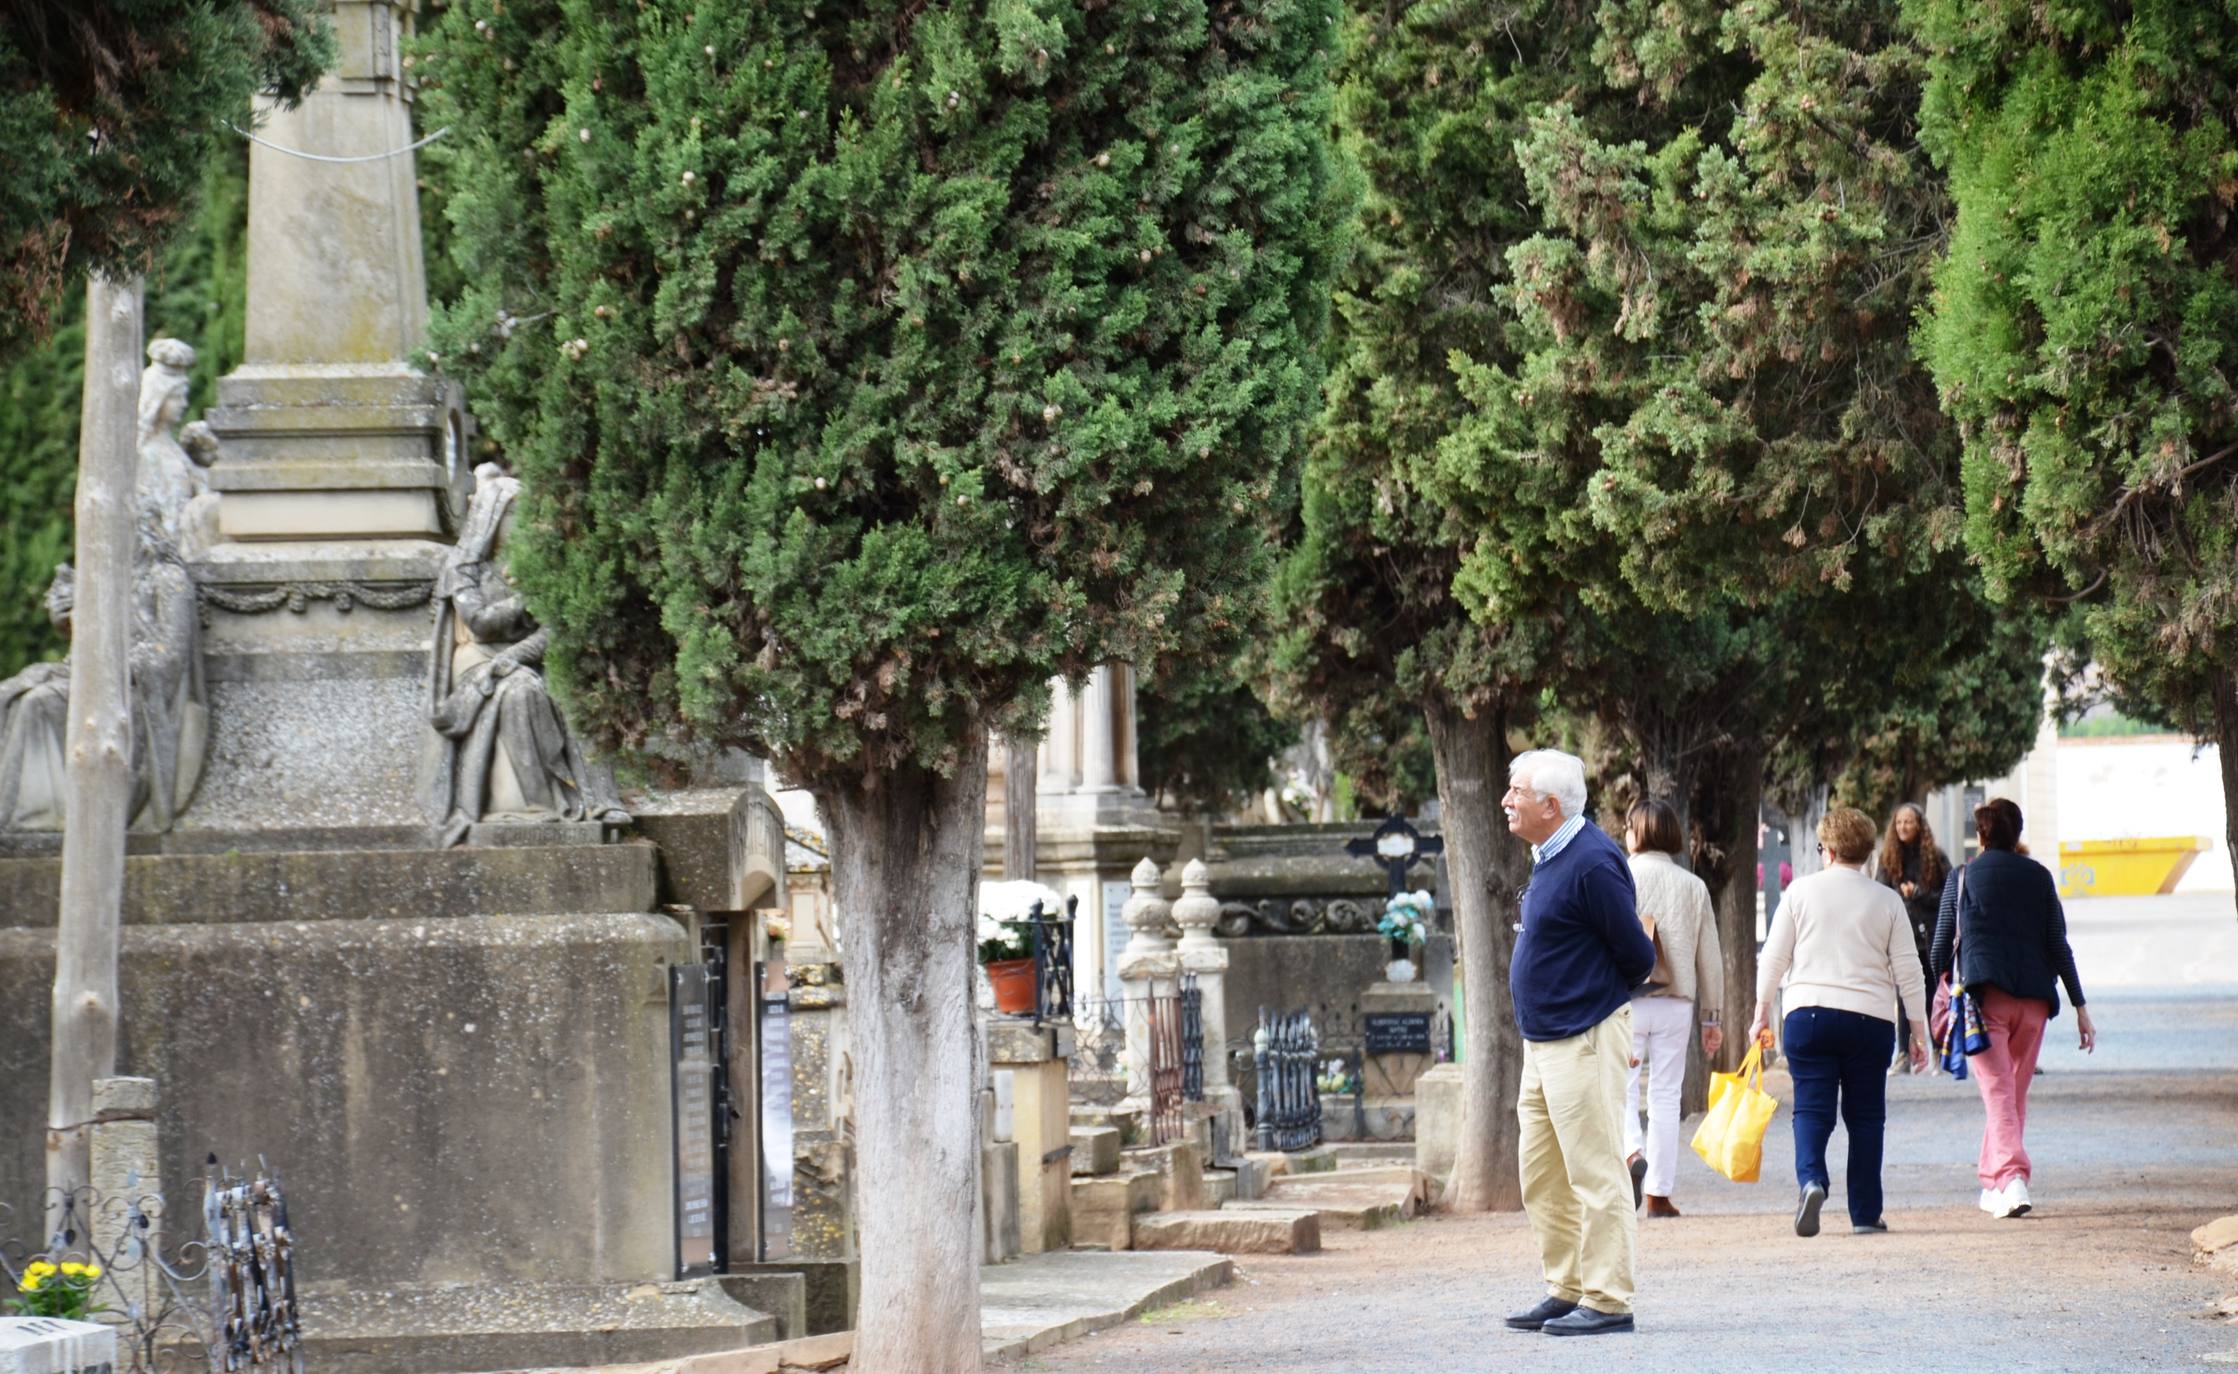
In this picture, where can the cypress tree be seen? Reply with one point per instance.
(2083, 327)
(198, 292)
(1433, 97)
(868, 365)
(110, 110)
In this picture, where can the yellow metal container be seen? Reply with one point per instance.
(2127, 868)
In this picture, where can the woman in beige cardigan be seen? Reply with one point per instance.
(1676, 908)
(1841, 947)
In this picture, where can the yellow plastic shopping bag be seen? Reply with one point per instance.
(1731, 1136)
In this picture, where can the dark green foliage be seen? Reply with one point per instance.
(1714, 327)
(1433, 97)
(2086, 316)
(870, 363)
(1205, 739)
(198, 292)
(110, 110)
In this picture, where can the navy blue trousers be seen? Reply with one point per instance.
(1840, 1058)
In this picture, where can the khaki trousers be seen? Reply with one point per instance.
(1575, 1185)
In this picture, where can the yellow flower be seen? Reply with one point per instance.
(71, 1269)
(91, 1271)
(28, 1285)
(38, 1269)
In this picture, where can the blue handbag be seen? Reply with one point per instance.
(1966, 1034)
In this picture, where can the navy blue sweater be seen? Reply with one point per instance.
(1582, 949)
(2012, 933)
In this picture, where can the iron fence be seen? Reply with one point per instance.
(225, 1302)
(1192, 1039)
(1170, 1024)
(1052, 962)
(1164, 1011)
(1286, 1055)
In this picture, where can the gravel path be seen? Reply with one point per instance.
(2133, 1148)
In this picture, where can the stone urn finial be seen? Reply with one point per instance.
(1198, 909)
(1146, 913)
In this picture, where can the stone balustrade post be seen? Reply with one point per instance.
(1146, 968)
(1199, 953)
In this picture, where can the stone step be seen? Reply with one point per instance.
(1095, 1150)
(1350, 1153)
(447, 1329)
(1284, 1163)
(1349, 1200)
(353, 884)
(1104, 1209)
(1266, 1231)
(1125, 1120)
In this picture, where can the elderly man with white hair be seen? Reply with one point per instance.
(1580, 953)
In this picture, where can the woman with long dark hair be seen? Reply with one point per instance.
(1914, 866)
(2002, 913)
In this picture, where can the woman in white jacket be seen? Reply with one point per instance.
(1840, 955)
(1675, 907)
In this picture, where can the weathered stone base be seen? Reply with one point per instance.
(1378, 1118)
(1103, 1209)
(830, 1289)
(351, 884)
(475, 1099)
(462, 1328)
(1255, 1232)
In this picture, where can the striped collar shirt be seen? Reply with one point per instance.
(1544, 853)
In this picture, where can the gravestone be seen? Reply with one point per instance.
(51, 1345)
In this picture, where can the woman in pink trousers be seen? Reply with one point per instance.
(2002, 912)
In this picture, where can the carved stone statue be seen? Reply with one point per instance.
(172, 486)
(34, 711)
(501, 750)
(169, 707)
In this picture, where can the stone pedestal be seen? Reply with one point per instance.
(125, 1164)
(1034, 1058)
(1146, 969)
(1392, 1073)
(1437, 1119)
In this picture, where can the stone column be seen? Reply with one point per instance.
(1200, 954)
(1060, 749)
(1126, 722)
(341, 468)
(1099, 752)
(330, 428)
(1146, 967)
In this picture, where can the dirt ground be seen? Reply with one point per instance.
(2133, 1147)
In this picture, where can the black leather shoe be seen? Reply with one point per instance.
(1639, 1177)
(1867, 1228)
(1806, 1211)
(1587, 1322)
(1547, 1310)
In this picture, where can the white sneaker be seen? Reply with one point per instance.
(2008, 1201)
(2016, 1198)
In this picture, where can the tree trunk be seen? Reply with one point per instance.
(1488, 867)
(905, 863)
(97, 789)
(1728, 797)
(2226, 747)
(1021, 771)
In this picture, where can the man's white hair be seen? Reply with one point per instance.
(1553, 774)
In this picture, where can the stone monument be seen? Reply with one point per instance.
(462, 1057)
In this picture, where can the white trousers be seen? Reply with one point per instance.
(1661, 1030)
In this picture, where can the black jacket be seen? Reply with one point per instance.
(2015, 931)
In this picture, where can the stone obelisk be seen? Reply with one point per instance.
(341, 469)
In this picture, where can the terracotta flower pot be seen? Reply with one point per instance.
(1013, 982)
